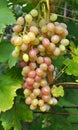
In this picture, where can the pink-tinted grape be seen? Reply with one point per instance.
(45, 42)
(30, 81)
(32, 74)
(45, 90)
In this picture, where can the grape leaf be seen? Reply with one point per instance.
(12, 118)
(6, 49)
(12, 61)
(72, 67)
(57, 91)
(6, 15)
(8, 87)
(58, 62)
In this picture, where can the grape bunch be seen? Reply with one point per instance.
(36, 43)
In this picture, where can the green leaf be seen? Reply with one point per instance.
(57, 91)
(6, 49)
(12, 61)
(8, 87)
(6, 15)
(12, 118)
(72, 67)
(58, 62)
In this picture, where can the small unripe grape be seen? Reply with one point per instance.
(43, 83)
(59, 29)
(27, 92)
(39, 72)
(24, 47)
(45, 42)
(62, 48)
(25, 57)
(41, 48)
(28, 18)
(55, 39)
(32, 36)
(34, 29)
(20, 20)
(65, 42)
(17, 28)
(40, 60)
(34, 102)
(37, 78)
(47, 60)
(53, 17)
(51, 68)
(40, 103)
(26, 39)
(36, 91)
(45, 98)
(44, 29)
(34, 13)
(51, 27)
(42, 23)
(45, 90)
(56, 52)
(32, 74)
(43, 66)
(28, 100)
(15, 53)
(36, 85)
(30, 81)
(51, 47)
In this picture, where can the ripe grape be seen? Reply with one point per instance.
(45, 90)
(51, 27)
(34, 102)
(40, 103)
(28, 100)
(17, 28)
(34, 12)
(56, 52)
(34, 29)
(30, 81)
(26, 39)
(32, 74)
(20, 21)
(39, 72)
(28, 18)
(53, 17)
(25, 57)
(55, 39)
